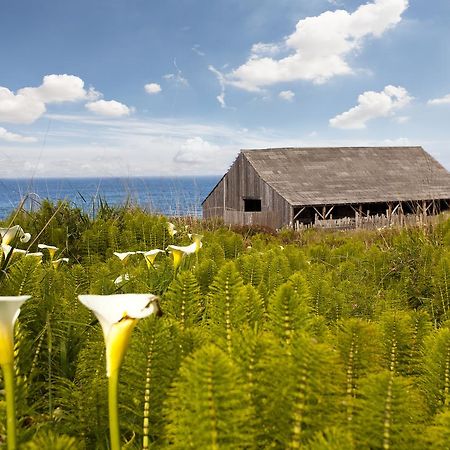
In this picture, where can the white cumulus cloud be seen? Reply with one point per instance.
(109, 108)
(445, 100)
(57, 89)
(287, 95)
(29, 103)
(196, 151)
(152, 88)
(372, 105)
(19, 108)
(8, 136)
(318, 49)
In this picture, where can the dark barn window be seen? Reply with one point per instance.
(252, 204)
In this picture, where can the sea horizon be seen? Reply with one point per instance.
(169, 195)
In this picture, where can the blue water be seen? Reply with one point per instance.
(170, 196)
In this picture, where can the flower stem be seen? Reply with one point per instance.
(114, 430)
(8, 378)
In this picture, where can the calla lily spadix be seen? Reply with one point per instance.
(51, 249)
(9, 235)
(9, 311)
(118, 315)
(123, 256)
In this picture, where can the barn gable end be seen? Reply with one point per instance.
(235, 198)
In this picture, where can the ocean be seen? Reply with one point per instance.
(178, 196)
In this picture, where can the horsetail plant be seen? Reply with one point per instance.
(118, 314)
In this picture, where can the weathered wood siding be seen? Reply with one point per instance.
(242, 181)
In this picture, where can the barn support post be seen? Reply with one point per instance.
(329, 212)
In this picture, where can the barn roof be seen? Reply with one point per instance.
(316, 176)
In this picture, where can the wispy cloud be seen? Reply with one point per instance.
(445, 100)
(288, 95)
(220, 78)
(196, 50)
(177, 78)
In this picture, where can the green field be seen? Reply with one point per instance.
(312, 340)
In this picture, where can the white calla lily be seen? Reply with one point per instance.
(51, 249)
(171, 229)
(15, 251)
(118, 314)
(57, 262)
(12, 233)
(9, 311)
(179, 252)
(151, 255)
(121, 278)
(37, 255)
(123, 256)
(197, 238)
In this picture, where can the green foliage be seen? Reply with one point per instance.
(288, 313)
(225, 311)
(313, 340)
(210, 394)
(390, 413)
(182, 301)
(50, 441)
(300, 383)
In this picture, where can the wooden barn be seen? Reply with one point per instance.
(317, 186)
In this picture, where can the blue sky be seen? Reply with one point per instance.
(136, 88)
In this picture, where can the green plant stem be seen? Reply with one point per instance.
(8, 378)
(114, 430)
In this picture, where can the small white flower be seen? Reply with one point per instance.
(121, 278)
